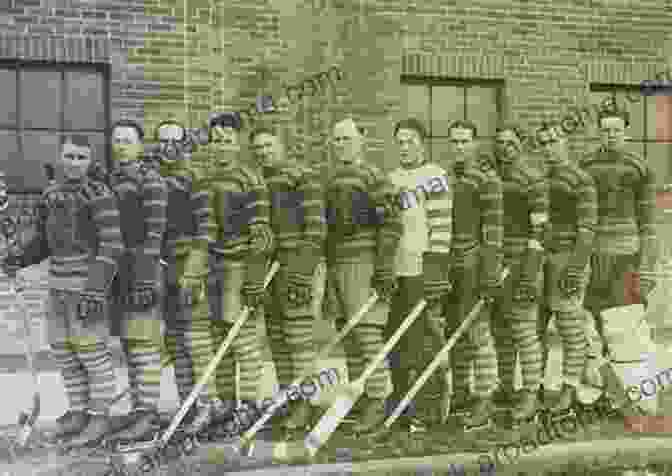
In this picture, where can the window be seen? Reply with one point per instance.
(39, 102)
(650, 125)
(437, 103)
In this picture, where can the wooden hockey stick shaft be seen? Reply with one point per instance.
(223, 348)
(325, 352)
(342, 406)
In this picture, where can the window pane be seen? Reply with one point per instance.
(659, 118)
(447, 106)
(84, 107)
(8, 97)
(9, 156)
(41, 99)
(658, 156)
(482, 109)
(39, 148)
(441, 154)
(415, 103)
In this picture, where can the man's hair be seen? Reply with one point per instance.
(412, 124)
(261, 129)
(75, 139)
(166, 122)
(463, 124)
(613, 111)
(513, 127)
(128, 123)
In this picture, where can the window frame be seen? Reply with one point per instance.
(464, 84)
(103, 69)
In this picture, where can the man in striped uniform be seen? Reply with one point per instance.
(142, 199)
(79, 229)
(363, 233)
(239, 252)
(425, 203)
(477, 242)
(515, 314)
(625, 236)
(569, 242)
(299, 223)
(185, 252)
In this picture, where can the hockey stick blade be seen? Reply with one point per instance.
(325, 352)
(342, 406)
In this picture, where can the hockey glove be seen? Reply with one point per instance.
(91, 304)
(385, 284)
(436, 273)
(253, 287)
(300, 275)
(12, 264)
(261, 239)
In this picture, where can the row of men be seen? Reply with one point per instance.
(217, 234)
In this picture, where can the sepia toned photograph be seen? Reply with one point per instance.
(335, 237)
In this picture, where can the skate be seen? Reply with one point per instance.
(69, 424)
(299, 421)
(221, 413)
(526, 410)
(139, 425)
(480, 415)
(97, 427)
(203, 413)
(566, 403)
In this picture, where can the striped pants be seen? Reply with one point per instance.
(224, 290)
(476, 346)
(348, 288)
(515, 329)
(290, 331)
(188, 334)
(570, 318)
(81, 350)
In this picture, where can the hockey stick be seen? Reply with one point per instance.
(438, 359)
(333, 417)
(325, 352)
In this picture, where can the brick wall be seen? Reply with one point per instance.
(547, 52)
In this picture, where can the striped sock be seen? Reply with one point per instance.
(282, 357)
(97, 360)
(200, 346)
(225, 376)
(299, 333)
(144, 363)
(73, 374)
(247, 350)
(526, 337)
(571, 329)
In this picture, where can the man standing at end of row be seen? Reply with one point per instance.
(363, 233)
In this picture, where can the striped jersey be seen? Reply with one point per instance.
(573, 205)
(426, 202)
(626, 201)
(78, 225)
(188, 224)
(239, 198)
(478, 212)
(362, 215)
(298, 213)
(525, 193)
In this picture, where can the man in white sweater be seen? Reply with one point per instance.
(422, 267)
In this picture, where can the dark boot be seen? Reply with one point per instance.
(300, 418)
(72, 422)
(204, 413)
(480, 414)
(139, 425)
(373, 415)
(97, 427)
(566, 401)
(526, 408)
(504, 397)
(460, 403)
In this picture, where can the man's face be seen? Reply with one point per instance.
(267, 150)
(612, 133)
(76, 161)
(553, 146)
(411, 151)
(347, 143)
(462, 145)
(171, 138)
(224, 145)
(126, 146)
(507, 146)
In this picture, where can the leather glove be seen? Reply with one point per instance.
(299, 289)
(91, 304)
(145, 294)
(261, 239)
(385, 284)
(572, 281)
(192, 290)
(12, 264)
